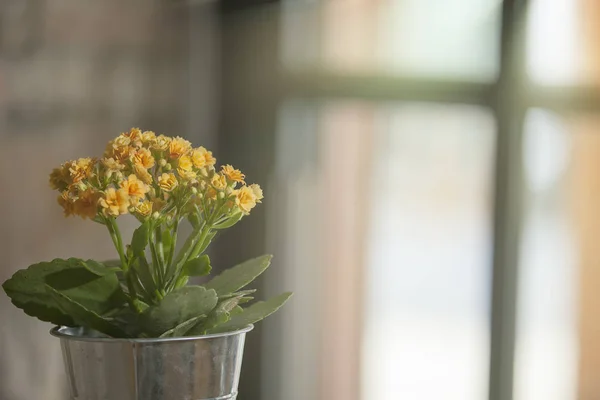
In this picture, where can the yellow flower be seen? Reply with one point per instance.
(111, 166)
(210, 160)
(143, 157)
(230, 203)
(144, 208)
(161, 143)
(245, 199)
(203, 158)
(135, 188)
(219, 181)
(119, 149)
(60, 178)
(86, 206)
(187, 175)
(211, 193)
(158, 204)
(135, 136)
(81, 169)
(232, 174)
(184, 163)
(115, 202)
(184, 168)
(178, 147)
(198, 157)
(143, 174)
(167, 182)
(148, 137)
(258, 193)
(121, 141)
(67, 203)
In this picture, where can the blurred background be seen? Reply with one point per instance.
(431, 171)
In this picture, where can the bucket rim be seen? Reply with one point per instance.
(77, 334)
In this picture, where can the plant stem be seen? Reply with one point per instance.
(115, 234)
(205, 231)
(183, 255)
(159, 245)
(173, 244)
(156, 263)
(196, 251)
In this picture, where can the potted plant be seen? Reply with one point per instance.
(133, 328)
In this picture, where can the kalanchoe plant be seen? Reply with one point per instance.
(162, 182)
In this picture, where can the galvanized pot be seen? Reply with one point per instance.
(188, 368)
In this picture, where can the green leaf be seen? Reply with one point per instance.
(97, 293)
(47, 313)
(140, 238)
(239, 276)
(98, 268)
(234, 219)
(127, 318)
(112, 264)
(204, 245)
(252, 314)
(166, 239)
(217, 317)
(183, 328)
(28, 285)
(27, 289)
(143, 271)
(229, 304)
(199, 266)
(177, 307)
(244, 300)
(182, 281)
(237, 294)
(237, 310)
(194, 220)
(83, 316)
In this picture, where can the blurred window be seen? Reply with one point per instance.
(557, 352)
(562, 42)
(429, 257)
(427, 204)
(450, 39)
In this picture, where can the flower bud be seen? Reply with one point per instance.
(194, 190)
(162, 162)
(131, 209)
(221, 195)
(156, 215)
(167, 167)
(203, 172)
(229, 191)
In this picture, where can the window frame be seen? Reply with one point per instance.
(508, 98)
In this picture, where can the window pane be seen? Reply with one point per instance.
(557, 356)
(323, 161)
(451, 39)
(562, 43)
(382, 228)
(429, 256)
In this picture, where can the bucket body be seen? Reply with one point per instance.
(188, 368)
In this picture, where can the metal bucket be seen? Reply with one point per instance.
(188, 368)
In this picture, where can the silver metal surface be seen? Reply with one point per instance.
(188, 368)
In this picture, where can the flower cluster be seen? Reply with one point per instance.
(162, 181)
(152, 175)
